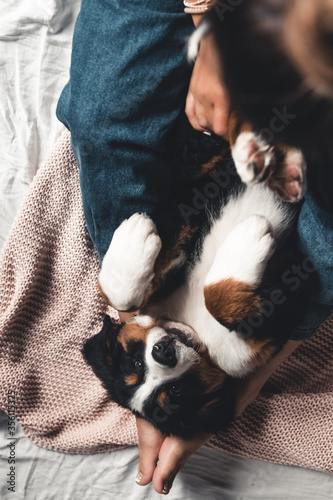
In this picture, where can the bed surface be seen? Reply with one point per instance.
(209, 474)
(35, 48)
(35, 45)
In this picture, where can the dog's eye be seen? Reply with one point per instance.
(176, 390)
(138, 364)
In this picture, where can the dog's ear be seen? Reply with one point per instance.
(219, 412)
(100, 349)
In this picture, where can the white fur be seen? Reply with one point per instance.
(187, 304)
(242, 157)
(244, 253)
(239, 244)
(127, 268)
(195, 39)
(243, 162)
(157, 374)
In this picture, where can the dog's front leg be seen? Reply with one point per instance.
(282, 167)
(127, 269)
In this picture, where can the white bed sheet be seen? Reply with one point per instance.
(35, 47)
(209, 475)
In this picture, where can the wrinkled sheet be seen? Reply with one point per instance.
(213, 475)
(35, 46)
(35, 49)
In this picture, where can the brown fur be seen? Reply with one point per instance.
(164, 259)
(236, 126)
(210, 165)
(262, 351)
(162, 399)
(132, 332)
(230, 301)
(131, 379)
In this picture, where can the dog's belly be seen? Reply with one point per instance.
(226, 348)
(187, 304)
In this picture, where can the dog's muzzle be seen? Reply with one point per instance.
(164, 352)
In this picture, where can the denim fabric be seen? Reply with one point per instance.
(128, 81)
(315, 233)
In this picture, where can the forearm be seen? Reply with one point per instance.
(197, 9)
(197, 18)
(250, 387)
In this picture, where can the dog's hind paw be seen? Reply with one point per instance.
(127, 268)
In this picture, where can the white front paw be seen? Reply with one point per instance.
(244, 253)
(127, 268)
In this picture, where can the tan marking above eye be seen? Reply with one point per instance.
(162, 399)
(131, 379)
(132, 332)
(109, 359)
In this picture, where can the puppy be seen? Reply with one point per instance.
(214, 278)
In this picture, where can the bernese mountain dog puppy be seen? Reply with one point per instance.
(215, 277)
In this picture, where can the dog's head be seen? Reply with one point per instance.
(160, 372)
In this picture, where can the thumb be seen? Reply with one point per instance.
(150, 442)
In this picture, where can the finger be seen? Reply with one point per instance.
(171, 458)
(204, 115)
(190, 111)
(150, 441)
(173, 454)
(220, 121)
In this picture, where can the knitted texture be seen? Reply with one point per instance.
(50, 305)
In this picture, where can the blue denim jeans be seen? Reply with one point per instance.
(315, 233)
(128, 82)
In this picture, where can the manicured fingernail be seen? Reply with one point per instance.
(207, 133)
(138, 477)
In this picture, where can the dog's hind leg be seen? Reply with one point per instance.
(231, 288)
(127, 271)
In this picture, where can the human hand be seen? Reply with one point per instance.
(161, 458)
(207, 103)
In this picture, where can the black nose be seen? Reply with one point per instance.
(164, 352)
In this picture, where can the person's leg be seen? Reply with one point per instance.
(315, 233)
(128, 84)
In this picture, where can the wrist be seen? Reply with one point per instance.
(197, 6)
(196, 18)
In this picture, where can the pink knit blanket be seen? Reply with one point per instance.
(49, 306)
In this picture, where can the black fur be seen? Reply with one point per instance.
(184, 413)
(192, 409)
(261, 79)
